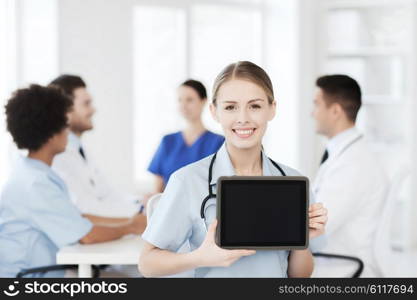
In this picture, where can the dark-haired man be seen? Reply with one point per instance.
(36, 215)
(350, 181)
(90, 190)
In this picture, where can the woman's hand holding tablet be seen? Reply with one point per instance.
(317, 219)
(211, 255)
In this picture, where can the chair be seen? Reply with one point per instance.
(383, 252)
(151, 205)
(150, 208)
(360, 265)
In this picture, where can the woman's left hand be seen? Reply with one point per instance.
(318, 218)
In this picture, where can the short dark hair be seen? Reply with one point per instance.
(68, 83)
(344, 90)
(35, 114)
(197, 86)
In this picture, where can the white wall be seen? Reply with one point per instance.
(99, 48)
(280, 59)
(28, 54)
(413, 206)
(309, 154)
(95, 42)
(290, 58)
(8, 79)
(37, 31)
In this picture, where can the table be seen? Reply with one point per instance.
(124, 251)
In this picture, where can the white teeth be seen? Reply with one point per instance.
(244, 131)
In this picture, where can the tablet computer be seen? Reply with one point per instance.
(262, 212)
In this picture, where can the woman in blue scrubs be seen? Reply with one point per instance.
(195, 142)
(243, 103)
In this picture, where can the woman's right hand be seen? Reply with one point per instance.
(211, 255)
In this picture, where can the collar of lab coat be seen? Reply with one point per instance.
(74, 141)
(223, 165)
(341, 140)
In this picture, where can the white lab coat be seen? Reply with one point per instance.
(89, 190)
(352, 186)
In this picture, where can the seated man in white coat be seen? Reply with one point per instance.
(350, 181)
(88, 187)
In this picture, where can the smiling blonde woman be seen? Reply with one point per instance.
(243, 103)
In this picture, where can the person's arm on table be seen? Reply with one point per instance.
(98, 220)
(103, 233)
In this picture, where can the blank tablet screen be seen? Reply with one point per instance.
(261, 213)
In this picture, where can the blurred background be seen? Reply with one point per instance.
(133, 54)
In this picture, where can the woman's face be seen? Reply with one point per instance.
(243, 112)
(190, 104)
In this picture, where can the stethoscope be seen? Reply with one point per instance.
(210, 189)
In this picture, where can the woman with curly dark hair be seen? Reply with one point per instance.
(36, 214)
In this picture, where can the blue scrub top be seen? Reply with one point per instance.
(173, 153)
(36, 219)
(176, 220)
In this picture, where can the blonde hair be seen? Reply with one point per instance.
(245, 70)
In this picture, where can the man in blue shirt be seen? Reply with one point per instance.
(36, 215)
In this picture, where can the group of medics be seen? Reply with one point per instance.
(57, 196)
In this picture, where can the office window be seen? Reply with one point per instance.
(194, 39)
(38, 41)
(32, 25)
(159, 66)
(7, 78)
(221, 35)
